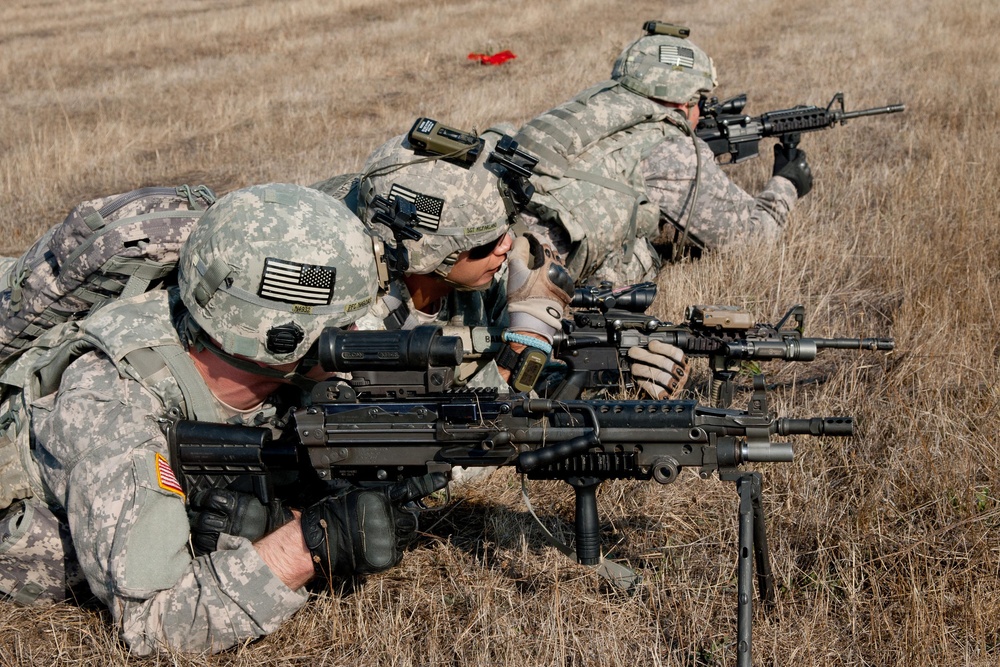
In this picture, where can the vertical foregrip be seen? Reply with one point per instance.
(588, 538)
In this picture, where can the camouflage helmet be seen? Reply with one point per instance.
(268, 267)
(665, 67)
(459, 205)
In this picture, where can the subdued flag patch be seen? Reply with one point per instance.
(676, 56)
(428, 208)
(165, 476)
(292, 282)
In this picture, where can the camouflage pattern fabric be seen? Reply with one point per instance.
(664, 67)
(587, 224)
(106, 247)
(129, 526)
(458, 207)
(589, 181)
(724, 214)
(272, 256)
(37, 561)
(6, 264)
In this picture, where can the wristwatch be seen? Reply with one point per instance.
(525, 368)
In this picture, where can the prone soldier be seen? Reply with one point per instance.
(623, 181)
(264, 272)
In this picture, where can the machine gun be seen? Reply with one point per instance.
(728, 131)
(608, 322)
(398, 418)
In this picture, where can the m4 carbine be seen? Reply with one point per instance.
(398, 418)
(595, 345)
(728, 131)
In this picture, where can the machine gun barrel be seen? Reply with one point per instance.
(409, 425)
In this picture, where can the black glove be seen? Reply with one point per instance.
(365, 530)
(215, 511)
(791, 163)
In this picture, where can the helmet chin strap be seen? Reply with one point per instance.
(467, 288)
(443, 277)
(201, 341)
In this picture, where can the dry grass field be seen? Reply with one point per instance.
(885, 546)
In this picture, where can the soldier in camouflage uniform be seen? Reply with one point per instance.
(456, 275)
(620, 169)
(264, 271)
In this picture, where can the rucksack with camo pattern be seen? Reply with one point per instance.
(108, 248)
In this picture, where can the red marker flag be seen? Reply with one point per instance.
(495, 59)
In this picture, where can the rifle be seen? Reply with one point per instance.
(594, 346)
(386, 425)
(728, 131)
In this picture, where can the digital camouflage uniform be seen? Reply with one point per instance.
(661, 166)
(724, 213)
(589, 192)
(104, 466)
(83, 407)
(619, 168)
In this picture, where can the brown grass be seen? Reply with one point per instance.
(884, 546)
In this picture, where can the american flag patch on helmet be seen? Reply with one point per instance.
(428, 208)
(165, 476)
(297, 283)
(677, 56)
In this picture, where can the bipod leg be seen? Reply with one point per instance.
(744, 573)
(761, 552)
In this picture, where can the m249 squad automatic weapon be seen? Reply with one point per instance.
(398, 417)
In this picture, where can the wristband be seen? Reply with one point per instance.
(529, 341)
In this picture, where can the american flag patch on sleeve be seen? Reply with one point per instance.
(292, 282)
(428, 208)
(165, 476)
(677, 56)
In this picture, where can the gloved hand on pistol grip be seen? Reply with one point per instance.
(365, 529)
(538, 288)
(791, 163)
(212, 512)
(660, 369)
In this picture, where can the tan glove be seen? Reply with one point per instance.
(660, 369)
(538, 288)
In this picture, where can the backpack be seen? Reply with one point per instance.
(108, 248)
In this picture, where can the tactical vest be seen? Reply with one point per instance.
(589, 178)
(138, 336)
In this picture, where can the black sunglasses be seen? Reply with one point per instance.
(485, 250)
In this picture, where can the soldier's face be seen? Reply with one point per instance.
(693, 115)
(475, 269)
